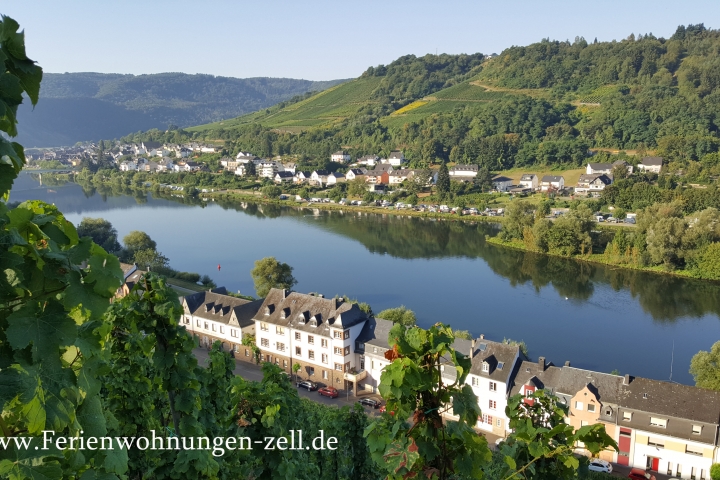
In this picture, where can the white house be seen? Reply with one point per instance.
(502, 184)
(651, 164)
(319, 177)
(302, 177)
(128, 166)
(598, 168)
(529, 180)
(215, 316)
(320, 334)
(396, 158)
(552, 182)
(463, 172)
(267, 169)
(354, 173)
(283, 177)
(396, 177)
(341, 156)
(335, 178)
(593, 183)
(369, 160)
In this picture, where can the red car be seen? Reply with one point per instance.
(328, 392)
(640, 474)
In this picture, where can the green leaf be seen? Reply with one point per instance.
(510, 462)
(46, 328)
(105, 272)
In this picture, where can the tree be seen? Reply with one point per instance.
(149, 259)
(296, 368)
(705, 368)
(101, 232)
(357, 187)
(401, 315)
(137, 240)
(715, 471)
(271, 191)
(518, 217)
(269, 273)
(443, 182)
(250, 169)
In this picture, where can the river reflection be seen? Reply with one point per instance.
(598, 317)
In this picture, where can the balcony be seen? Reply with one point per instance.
(355, 376)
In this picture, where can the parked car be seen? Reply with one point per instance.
(597, 465)
(370, 402)
(307, 385)
(328, 392)
(630, 221)
(640, 474)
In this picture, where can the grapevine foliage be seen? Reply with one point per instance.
(54, 288)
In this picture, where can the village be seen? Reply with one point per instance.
(331, 346)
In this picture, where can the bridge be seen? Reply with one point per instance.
(40, 171)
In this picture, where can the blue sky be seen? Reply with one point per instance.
(316, 40)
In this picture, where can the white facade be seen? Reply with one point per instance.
(529, 181)
(267, 170)
(672, 453)
(340, 157)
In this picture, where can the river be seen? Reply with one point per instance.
(597, 317)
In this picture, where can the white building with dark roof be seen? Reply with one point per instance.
(650, 164)
(341, 156)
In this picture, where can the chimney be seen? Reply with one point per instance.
(482, 336)
(472, 349)
(541, 363)
(626, 380)
(567, 363)
(284, 292)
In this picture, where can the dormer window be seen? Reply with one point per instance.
(285, 313)
(313, 322)
(485, 367)
(269, 309)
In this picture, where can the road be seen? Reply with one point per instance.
(250, 371)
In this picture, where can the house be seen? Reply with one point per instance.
(463, 173)
(284, 177)
(660, 426)
(502, 184)
(396, 177)
(335, 178)
(552, 183)
(354, 173)
(215, 316)
(592, 183)
(593, 168)
(267, 169)
(529, 180)
(147, 147)
(374, 339)
(209, 149)
(623, 163)
(131, 275)
(302, 177)
(192, 166)
(380, 174)
(289, 167)
(369, 160)
(341, 156)
(128, 166)
(320, 334)
(650, 164)
(319, 177)
(396, 158)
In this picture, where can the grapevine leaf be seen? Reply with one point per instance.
(47, 329)
(105, 272)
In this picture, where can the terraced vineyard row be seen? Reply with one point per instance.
(599, 95)
(468, 92)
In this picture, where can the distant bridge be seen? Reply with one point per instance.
(39, 172)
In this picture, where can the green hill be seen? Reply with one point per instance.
(89, 106)
(543, 104)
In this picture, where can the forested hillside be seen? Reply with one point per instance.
(91, 106)
(543, 104)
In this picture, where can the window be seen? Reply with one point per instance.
(346, 334)
(284, 363)
(233, 332)
(298, 351)
(498, 422)
(281, 346)
(222, 329)
(280, 330)
(591, 407)
(487, 419)
(347, 351)
(692, 450)
(297, 336)
(475, 381)
(247, 352)
(627, 416)
(584, 423)
(206, 326)
(186, 321)
(656, 442)
(264, 342)
(311, 354)
(197, 323)
(339, 367)
(493, 387)
(324, 358)
(578, 405)
(374, 349)
(486, 367)
(264, 326)
(325, 375)
(492, 405)
(337, 334)
(697, 429)
(213, 327)
(311, 340)
(311, 371)
(323, 342)
(658, 422)
(337, 351)
(362, 364)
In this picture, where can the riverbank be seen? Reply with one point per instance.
(597, 258)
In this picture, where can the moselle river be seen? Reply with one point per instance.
(596, 317)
